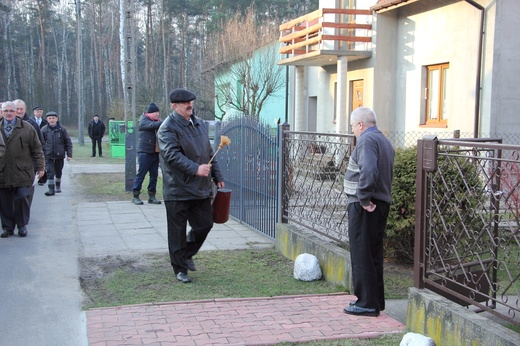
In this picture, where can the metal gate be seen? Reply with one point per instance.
(250, 166)
(467, 223)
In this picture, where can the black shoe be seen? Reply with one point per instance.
(6, 233)
(359, 311)
(354, 303)
(190, 264)
(183, 277)
(22, 231)
(100, 155)
(92, 155)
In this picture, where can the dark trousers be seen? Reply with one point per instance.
(366, 231)
(96, 142)
(198, 213)
(54, 168)
(148, 164)
(15, 208)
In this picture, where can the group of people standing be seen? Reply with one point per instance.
(30, 149)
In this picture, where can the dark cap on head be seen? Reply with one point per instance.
(51, 114)
(37, 108)
(96, 115)
(181, 95)
(152, 108)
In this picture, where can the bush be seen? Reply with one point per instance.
(458, 192)
(399, 242)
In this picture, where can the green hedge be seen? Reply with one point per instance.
(458, 193)
(399, 242)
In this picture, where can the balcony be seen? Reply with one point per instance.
(320, 37)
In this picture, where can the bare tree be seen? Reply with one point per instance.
(244, 65)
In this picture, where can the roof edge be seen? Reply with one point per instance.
(386, 5)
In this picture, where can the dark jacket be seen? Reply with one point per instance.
(147, 134)
(370, 169)
(96, 130)
(183, 147)
(42, 124)
(22, 148)
(35, 125)
(57, 142)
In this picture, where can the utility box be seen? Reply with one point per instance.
(117, 134)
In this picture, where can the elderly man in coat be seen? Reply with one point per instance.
(22, 157)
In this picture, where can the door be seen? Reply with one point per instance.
(357, 94)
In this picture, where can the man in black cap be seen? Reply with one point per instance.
(185, 152)
(96, 131)
(38, 116)
(148, 154)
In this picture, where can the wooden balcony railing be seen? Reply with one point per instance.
(326, 29)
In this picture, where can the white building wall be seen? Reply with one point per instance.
(447, 34)
(505, 97)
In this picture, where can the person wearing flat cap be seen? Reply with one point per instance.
(148, 154)
(185, 153)
(38, 116)
(56, 146)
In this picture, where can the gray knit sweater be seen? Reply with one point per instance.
(370, 169)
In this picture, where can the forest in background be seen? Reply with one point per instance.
(178, 43)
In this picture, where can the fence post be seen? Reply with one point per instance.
(283, 173)
(426, 162)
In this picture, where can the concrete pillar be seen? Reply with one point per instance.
(299, 99)
(341, 97)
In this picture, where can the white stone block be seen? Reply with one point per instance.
(307, 267)
(414, 339)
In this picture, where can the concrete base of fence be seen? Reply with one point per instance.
(448, 323)
(334, 261)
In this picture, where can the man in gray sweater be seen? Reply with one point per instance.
(368, 182)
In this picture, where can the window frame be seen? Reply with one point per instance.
(441, 119)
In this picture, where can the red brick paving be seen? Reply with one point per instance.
(252, 321)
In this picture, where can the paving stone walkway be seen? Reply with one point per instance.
(257, 321)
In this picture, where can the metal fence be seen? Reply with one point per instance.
(467, 240)
(313, 168)
(250, 166)
(312, 191)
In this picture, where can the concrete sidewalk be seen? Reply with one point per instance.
(42, 299)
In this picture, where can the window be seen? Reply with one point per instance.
(437, 79)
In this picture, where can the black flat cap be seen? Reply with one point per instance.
(181, 95)
(152, 108)
(51, 114)
(37, 107)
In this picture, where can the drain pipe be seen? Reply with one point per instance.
(479, 67)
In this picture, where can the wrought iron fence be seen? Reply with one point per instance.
(467, 223)
(313, 168)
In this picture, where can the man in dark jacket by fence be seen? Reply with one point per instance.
(23, 156)
(96, 131)
(185, 153)
(148, 154)
(368, 184)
